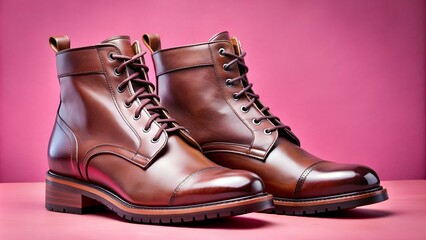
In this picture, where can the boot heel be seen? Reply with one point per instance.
(62, 200)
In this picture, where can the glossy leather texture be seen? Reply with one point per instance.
(98, 139)
(198, 84)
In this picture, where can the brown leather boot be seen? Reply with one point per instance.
(114, 143)
(205, 87)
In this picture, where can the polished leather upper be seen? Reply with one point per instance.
(97, 137)
(293, 173)
(192, 83)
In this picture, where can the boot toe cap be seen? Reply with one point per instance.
(328, 179)
(216, 184)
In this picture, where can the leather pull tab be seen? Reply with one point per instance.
(59, 43)
(237, 45)
(136, 47)
(152, 42)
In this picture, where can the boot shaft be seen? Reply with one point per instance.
(205, 88)
(98, 113)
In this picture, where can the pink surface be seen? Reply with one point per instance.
(23, 216)
(347, 76)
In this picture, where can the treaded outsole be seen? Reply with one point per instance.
(340, 202)
(202, 217)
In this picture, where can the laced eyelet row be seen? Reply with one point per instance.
(112, 59)
(137, 118)
(119, 90)
(221, 51)
(228, 81)
(246, 110)
(166, 124)
(256, 122)
(234, 96)
(239, 61)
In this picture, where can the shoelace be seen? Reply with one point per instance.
(239, 60)
(144, 96)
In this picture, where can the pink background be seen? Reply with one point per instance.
(347, 76)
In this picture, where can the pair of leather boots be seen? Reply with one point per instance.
(208, 149)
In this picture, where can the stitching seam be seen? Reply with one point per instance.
(184, 67)
(180, 186)
(302, 179)
(80, 73)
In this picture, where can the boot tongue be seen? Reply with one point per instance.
(220, 36)
(123, 43)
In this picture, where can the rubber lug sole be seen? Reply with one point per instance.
(328, 204)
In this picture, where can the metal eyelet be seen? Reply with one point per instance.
(127, 105)
(154, 141)
(137, 117)
(255, 122)
(146, 130)
(244, 109)
(120, 90)
(116, 72)
(110, 57)
(225, 67)
(221, 51)
(234, 96)
(228, 82)
(267, 132)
